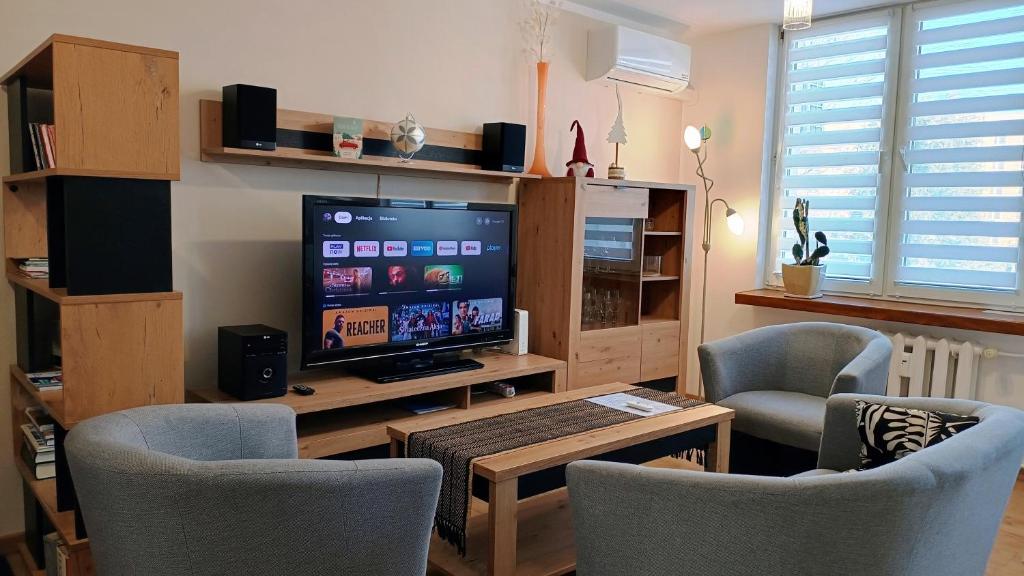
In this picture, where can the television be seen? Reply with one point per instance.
(393, 289)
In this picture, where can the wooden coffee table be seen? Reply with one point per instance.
(546, 545)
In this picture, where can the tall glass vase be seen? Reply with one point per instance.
(540, 163)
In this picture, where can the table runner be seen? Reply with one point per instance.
(457, 446)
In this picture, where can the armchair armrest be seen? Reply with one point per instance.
(740, 363)
(868, 372)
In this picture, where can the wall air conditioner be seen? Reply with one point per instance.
(635, 58)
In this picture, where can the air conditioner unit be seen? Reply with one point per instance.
(638, 59)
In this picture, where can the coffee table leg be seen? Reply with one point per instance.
(394, 448)
(501, 512)
(717, 457)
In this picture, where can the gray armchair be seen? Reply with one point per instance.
(933, 513)
(777, 378)
(216, 489)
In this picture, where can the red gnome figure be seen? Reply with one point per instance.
(579, 165)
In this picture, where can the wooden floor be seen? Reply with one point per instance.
(1007, 556)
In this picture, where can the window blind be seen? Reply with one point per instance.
(962, 147)
(835, 106)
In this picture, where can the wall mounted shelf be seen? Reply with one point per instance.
(319, 128)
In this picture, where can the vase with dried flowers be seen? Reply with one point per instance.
(537, 28)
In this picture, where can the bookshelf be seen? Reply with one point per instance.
(117, 339)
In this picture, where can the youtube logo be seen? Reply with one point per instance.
(366, 249)
(447, 248)
(470, 247)
(395, 248)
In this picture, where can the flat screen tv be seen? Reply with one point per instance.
(390, 285)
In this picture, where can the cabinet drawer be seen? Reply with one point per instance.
(606, 371)
(623, 342)
(603, 201)
(659, 350)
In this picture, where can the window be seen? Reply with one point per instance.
(904, 128)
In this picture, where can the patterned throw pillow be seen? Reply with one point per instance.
(888, 433)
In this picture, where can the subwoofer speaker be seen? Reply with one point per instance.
(249, 117)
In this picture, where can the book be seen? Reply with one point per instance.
(52, 129)
(33, 131)
(49, 455)
(41, 471)
(44, 131)
(51, 380)
(41, 419)
(425, 407)
(348, 137)
(36, 440)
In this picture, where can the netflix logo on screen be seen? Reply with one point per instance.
(395, 248)
(366, 249)
(471, 248)
(447, 248)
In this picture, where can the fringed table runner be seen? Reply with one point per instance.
(457, 446)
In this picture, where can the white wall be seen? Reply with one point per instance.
(455, 64)
(733, 72)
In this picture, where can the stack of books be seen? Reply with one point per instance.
(46, 381)
(35, 268)
(38, 447)
(43, 138)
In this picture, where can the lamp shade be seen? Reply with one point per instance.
(692, 138)
(734, 221)
(797, 14)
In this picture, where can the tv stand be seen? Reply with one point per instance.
(350, 412)
(418, 367)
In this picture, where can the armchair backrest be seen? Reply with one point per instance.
(816, 358)
(933, 512)
(204, 490)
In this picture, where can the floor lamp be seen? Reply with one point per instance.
(695, 139)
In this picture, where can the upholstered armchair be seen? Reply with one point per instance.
(202, 489)
(777, 379)
(935, 512)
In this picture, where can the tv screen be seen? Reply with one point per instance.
(391, 277)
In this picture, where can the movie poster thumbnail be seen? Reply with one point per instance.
(473, 316)
(420, 321)
(347, 327)
(442, 277)
(348, 281)
(402, 278)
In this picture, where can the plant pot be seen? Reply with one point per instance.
(803, 281)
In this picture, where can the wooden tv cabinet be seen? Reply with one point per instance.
(350, 413)
(582, 242)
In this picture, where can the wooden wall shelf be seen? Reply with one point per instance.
(313, 124)
(906, 312)
(351, 413)
(40, 175)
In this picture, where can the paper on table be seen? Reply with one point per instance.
(618, 402)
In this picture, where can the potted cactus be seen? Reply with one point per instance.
(804, 278)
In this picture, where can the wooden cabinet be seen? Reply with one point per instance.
(582, 243)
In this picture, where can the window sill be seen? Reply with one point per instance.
(978, 319)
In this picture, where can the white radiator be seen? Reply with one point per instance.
(928, 367)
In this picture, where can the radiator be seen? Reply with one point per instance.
(928, 367)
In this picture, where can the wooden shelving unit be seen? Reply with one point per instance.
(212, 149)
(119, 350)
(643, 341)
(350, 413)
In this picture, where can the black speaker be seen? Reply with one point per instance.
(249, 117)
(504, 147)
(252, 361)
(109, 235)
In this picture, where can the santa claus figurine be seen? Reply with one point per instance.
(579, 165)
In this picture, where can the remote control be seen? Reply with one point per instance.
(639, 406)
(303, 390)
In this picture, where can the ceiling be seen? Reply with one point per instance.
(699, 17)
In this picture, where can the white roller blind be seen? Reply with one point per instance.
(962, 147)
(832, 133)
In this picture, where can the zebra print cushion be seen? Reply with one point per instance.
(888, 433)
